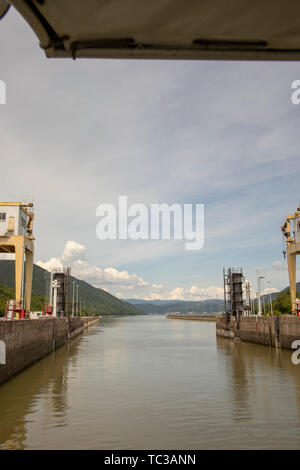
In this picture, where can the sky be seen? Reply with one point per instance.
(76, 134)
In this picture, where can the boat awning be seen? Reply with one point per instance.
(166, 29)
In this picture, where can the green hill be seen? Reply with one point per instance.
(97, 301)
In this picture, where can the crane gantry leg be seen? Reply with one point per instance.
(291, 232)
(19, 267)
(29, 271)
(291, 259)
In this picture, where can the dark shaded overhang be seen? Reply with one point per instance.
(166, 29)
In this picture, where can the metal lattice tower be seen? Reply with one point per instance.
(233, 291)
(62, 276)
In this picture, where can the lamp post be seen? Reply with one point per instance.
(73, 298)
(271, 306)
(259, 292)
(76, 313)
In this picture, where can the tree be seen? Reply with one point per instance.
(282, 302)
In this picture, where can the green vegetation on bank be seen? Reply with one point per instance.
(7, 293)
(281, 305)
(97, 301)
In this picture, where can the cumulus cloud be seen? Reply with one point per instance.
(157, 288)
(50, 264)
(73, 252)
(269, 290)
(192, 293)
(122, 283)
(206, 293)
(110, 279)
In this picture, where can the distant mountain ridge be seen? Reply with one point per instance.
(155, 301)
(181, 306)
(97, 300)
(185, 306)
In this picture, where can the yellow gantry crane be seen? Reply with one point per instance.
(291, 232)
(16, 236)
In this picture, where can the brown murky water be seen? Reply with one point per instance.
(152, 383)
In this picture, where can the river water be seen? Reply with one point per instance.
(152, 383)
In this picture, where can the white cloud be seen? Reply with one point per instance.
(50, 264)
(73, 251)
(122, 283)
(269, 290)
(157, 288)
(206, 293)
(192, 293)
(110, 279)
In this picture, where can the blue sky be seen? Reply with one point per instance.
(75, 134)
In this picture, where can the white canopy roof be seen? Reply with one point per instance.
(166, 29)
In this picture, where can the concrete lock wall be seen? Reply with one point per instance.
(277, 331)
(27, 341)
(90, 321)
(198, 317)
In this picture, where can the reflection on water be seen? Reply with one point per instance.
(149, 382)
(43, 385)
(265, 388)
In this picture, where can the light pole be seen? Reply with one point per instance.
(76, 313)
(51, 289)
(271, 306)
(73, 298)
(259, 291)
